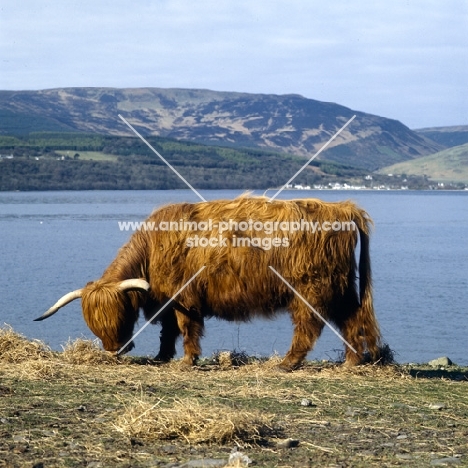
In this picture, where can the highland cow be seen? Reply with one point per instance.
(229, 238)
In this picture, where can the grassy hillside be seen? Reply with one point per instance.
(289, 124)
(446, 136)
(450, 165)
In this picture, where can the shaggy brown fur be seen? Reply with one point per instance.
(237, 283)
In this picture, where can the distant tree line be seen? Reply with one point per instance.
(51, 174)
(37, 166)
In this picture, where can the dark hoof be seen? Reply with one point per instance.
(188, 364)
(125, 350)
(185, 367)
(287, 367)
(162, 359)
(352, 363)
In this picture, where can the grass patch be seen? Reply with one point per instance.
(449, 165)
(89, 155)
(82, 407)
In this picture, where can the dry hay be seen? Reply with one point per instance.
(86, 352)
(242, 362)
(228, 359)
(15, 348)
(351, 373)
(39, 369)
(188, 420)
(32, 359)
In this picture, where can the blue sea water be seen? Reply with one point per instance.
(54, 242)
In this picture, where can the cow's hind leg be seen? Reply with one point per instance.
(360, 330)
(354, 341)
(191, 326)
(307, 328)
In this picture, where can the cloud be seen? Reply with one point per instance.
(405, 60)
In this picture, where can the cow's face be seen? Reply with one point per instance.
(109, 308)
(110, 313)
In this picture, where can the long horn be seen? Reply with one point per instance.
(71, 296)
(134, 283)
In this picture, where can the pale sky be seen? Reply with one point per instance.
(406, 60)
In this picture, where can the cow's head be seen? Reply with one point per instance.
(109, 309)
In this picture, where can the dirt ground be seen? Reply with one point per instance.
(83, 407)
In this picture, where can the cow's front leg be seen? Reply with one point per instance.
(169, 334)
(191, 327)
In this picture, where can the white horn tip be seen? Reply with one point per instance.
(134, 283)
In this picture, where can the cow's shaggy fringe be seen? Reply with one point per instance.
(188, 420)
(16, 348)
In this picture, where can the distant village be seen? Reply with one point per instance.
(345, 186)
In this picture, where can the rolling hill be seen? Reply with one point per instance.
(281, 123)
(446, 136)
(450, 165)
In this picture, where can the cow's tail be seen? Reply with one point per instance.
(366, 314)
